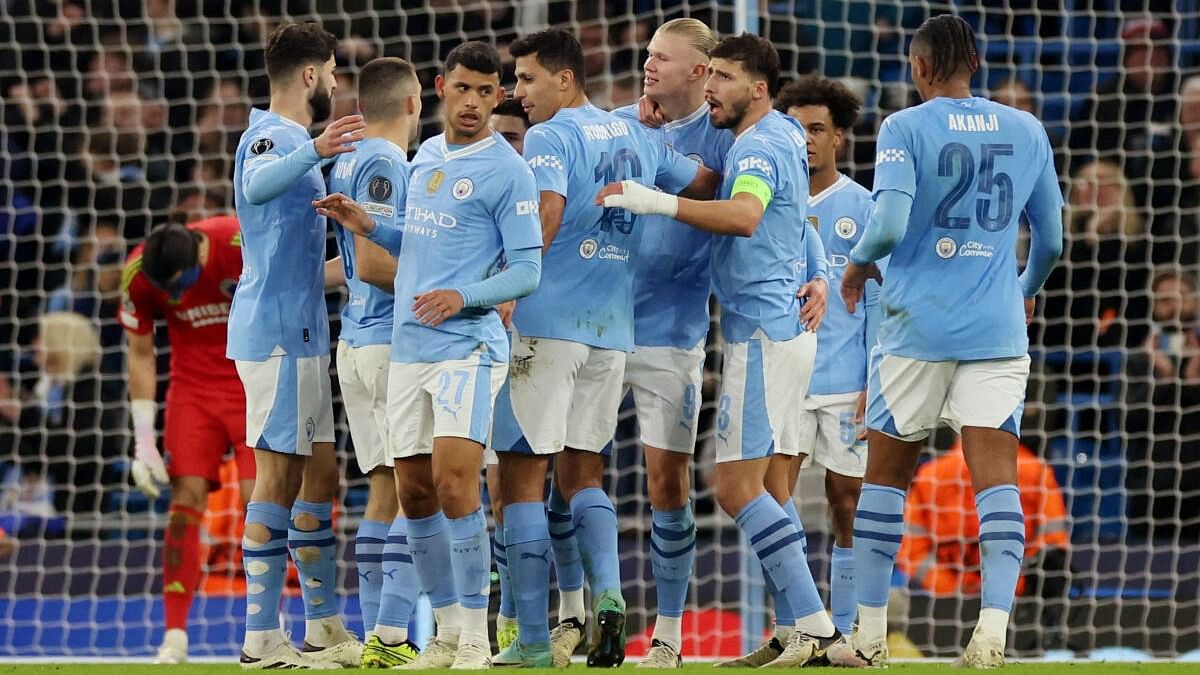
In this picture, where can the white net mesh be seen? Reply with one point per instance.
(120, 115)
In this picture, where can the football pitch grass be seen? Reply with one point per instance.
(910, 668)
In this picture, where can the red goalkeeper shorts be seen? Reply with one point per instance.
(200, 432)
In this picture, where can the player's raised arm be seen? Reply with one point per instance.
(268, 175)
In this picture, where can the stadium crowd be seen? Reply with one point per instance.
(119, 116)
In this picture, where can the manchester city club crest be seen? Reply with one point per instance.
(946, 247)
(846, 228)
(435, 182)
(587, 249)
(463, 187)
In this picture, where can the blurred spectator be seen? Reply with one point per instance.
(1174, 340)
(67, 428)
(1014, 93)
(940, 550)
(1163, 476)
(199, 203)
(1132, 116)
(221, 120)
(344, 100)
(1189, 122)
(1098, 294)
(93, 291)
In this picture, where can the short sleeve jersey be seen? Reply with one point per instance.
(376, 176)
(970, 166)
(466, 205)
(279, 307)
(586, 293)
(671, 281)
(197, 320)
(756, 278)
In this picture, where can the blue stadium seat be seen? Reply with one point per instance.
(1091, 471)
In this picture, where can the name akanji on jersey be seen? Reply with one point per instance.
(197, 321)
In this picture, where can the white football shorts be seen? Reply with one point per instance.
(666, 384)
(363, 376)
(909, 397)
(829, 436)
(289, 403)
(763, 385)
(565, 394)
(448, 398)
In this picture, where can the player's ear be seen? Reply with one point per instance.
(439, 85)
(566, 78)
(699, 72)
(500, 95)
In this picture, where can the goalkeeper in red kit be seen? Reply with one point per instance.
(185, 275)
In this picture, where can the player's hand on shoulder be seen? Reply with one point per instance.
(637, 198)
(815, 295)
(649, 113)
(347, 212)
(340, 136)
(854, 280)
(434, 307)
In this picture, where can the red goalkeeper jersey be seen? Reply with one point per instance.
(196, 322)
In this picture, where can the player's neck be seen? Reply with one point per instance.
(292, 107)
(820, 182)
(397, 131)
(950, 89)
(679, 107)
(202, 250)
(574, 99)
(757, 111)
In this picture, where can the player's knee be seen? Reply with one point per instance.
(668, 489)
(457, 495)
(734, 495)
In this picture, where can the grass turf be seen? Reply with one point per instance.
(1082, 668)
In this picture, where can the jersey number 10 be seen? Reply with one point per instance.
(957, 159)
(622, 165)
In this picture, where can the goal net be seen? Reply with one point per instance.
(118, 116)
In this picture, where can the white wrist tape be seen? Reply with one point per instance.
(637, 198)
(143, 411)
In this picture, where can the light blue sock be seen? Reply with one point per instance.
(595, 522)
(672, 554)
(789, 507)
(471, 558)
(507, 608)
(527, 539)
(1001, 544)
(401, 583)
(878, 529)
(841, 589)
(368, 557)
(265, 565)
(779, 546)
(318, 569)
(429, 544)
(783, 611)
(568, 565)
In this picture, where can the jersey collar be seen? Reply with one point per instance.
(279, 117)
(837, 185)
(684, 121)
(448, 155)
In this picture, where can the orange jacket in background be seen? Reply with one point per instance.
(940, 549)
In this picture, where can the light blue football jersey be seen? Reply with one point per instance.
(466, 206)
(586, 293)
(671, 281)
(279, 305)
(840, 214)
(376, 176)
(756, 278)
(970, 166)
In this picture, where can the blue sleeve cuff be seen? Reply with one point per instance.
(388, 238)
(518, 279)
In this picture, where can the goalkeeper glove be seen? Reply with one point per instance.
(637, 198)
(149, 472)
